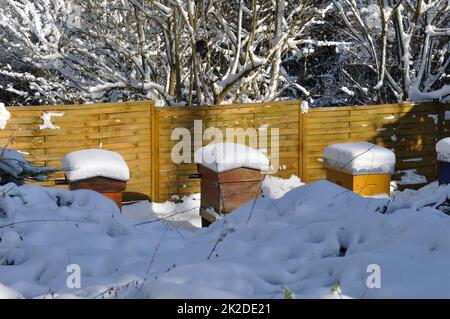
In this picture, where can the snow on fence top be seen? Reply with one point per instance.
(443, 150)
(90, 163)
(359, 158)
(221, 157)
(4, 116)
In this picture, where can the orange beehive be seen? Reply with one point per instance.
(113, 189)
(99, 170)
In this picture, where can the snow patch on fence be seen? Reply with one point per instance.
(4, 116)
(47, 121)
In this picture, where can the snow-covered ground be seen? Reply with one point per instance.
(309, 239)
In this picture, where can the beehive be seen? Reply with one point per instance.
(226, 191)
(231, 175)
(111, 188)
(443, 161)
(361, 167)
(98, 170)
(364, 184)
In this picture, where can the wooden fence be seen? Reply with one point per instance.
(410, 130)
(174, 178)
(142, 134)
(123, 127)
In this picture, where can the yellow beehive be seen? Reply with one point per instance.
(365, 184)
(361, 167)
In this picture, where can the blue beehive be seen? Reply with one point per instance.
(443, 171)
(443, 161)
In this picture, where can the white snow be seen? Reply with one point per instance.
(359, 158)
(276, 187)
(4, 116)
(372, 16)
(8, 293)
(221, 157)
(346, 90)
(443, 150)
(304, 107)
(411, 177)
(47, 121)
(435, 118)
(185, 214)
(315, 241)
(90, 163)
(414, 159)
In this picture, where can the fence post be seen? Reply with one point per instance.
(300, 142)
(154, 152)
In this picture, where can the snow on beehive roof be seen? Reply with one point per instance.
(359, 158)
(221, 157)
(90, 163)
(443, 150)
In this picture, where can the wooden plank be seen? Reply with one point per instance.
(328, 112)
(100, 135)
(404, 107)
(379, 118)
(80, 106)
(85, 108)
(394, 108)
(409, 140)
(291, 130)
(381, 130)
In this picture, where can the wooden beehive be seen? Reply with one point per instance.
(110, 188)
(226, 191)
(363, 184)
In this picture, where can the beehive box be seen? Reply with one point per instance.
(443, 172)
(98, 170)
(361, 167)
(113, 189)
(443, 161)
(364, 184)
(226, 191)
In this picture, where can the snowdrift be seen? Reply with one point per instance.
(311, 239)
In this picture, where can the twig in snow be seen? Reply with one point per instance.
(223, 234)
(254, 202)
(152, 261)
(166, 217)
(43, 220)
